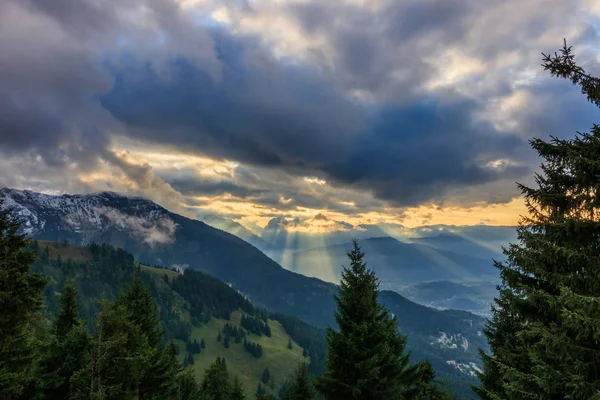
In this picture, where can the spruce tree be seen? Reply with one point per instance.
(20, 305)
(366, 358)
(266, 375)
(237, 392)
(68, 310)
(119, 355)
(188, 388)
(290, 346)
(544, 332)
(301, 387)
(139, 301)
(216, 381)
(68, 349)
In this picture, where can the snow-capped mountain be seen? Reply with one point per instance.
(83, 218)
(156, 236)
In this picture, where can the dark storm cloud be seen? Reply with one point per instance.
(420, 153)
(73, 72)
(258, 112)
(408, 155)
(372, 47)
(197, 186)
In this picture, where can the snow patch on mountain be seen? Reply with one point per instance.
(90, 215)
(451, 341)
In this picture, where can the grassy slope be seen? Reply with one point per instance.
(160, 271)
(69, 251)
(280, 360)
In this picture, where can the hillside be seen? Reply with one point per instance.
(475, 297)
(277, 357)
(102, 271)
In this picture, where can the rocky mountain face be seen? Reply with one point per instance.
(82, 219)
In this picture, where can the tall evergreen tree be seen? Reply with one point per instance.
(139, 301)
(301, 387)
(237, 392)
(216, 381)
(157, 379)
(367, 358)
(119, 357)
(20, 305)
(68, 350)
(545, 330)
(266, 375)
(188, 388)
(67, 316)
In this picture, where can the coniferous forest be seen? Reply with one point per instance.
(91, 323)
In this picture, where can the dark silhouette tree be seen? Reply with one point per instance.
(367, 358)
(237, 392)
(544, 330)
(301, 386)
(20, 306)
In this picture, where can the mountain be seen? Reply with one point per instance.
(474, 297)
(156, 236)
(237, 229)
(297, 234)
(482, 247)
(397, 263)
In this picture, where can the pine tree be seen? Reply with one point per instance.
(68, 310)
(188, 388)
(544, 330)
(119, 357)
(260, 390)
(216, 381)
(20, 305)
(68, 349)
(301, 387)
(266, 375)
(367, 358)
(139, 301)
(237, 392)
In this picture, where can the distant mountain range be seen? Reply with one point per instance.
(397, 263)
(458, 251)
(156, 236)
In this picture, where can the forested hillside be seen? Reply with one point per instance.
(194, 308)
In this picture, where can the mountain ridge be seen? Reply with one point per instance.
(177, 241)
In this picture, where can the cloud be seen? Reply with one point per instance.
(159, 231)
(391, 104)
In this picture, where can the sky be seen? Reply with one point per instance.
(412, 112)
